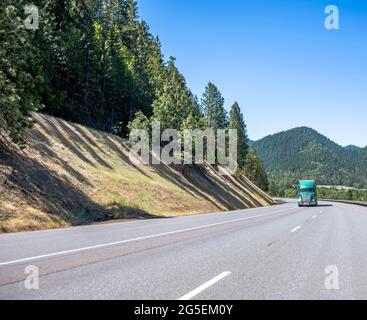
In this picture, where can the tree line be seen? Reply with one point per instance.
(95, 62)
(328, 193)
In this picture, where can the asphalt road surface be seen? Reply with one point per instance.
(280, 252)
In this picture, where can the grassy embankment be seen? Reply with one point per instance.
(71, 175)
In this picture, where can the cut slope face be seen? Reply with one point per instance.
(71, 175)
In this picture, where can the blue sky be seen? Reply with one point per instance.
(275, 58)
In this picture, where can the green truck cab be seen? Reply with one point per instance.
(307, 194)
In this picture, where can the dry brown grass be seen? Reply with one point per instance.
(70, 175)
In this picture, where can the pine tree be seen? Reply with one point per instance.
(68, 44)
(174, 103)
(273, 188)
(144, 59)
(255, 171)
(237, 122)
(132, 10)
(20, 71)
(213, 108)
(115, 79)
(88, 78)
(140, 122)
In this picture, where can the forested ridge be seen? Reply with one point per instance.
(91, 62)
(96, 62)
(303, 153)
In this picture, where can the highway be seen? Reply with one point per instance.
(279, 252)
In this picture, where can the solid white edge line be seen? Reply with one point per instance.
(205, 286)
(2, 264)
(296, 229)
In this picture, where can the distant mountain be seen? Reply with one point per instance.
(304, 153)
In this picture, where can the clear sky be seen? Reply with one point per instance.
(275, 58)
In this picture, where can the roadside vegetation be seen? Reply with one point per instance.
(290, 190)
(96, 63)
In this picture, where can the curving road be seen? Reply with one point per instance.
(281, 252)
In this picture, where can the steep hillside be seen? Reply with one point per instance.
(70, 175)
(305, 153)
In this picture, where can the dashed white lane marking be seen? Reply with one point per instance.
(111, 244)
(314, 217)
(205, 286)
(296, 229)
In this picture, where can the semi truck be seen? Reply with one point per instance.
(307, 193)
